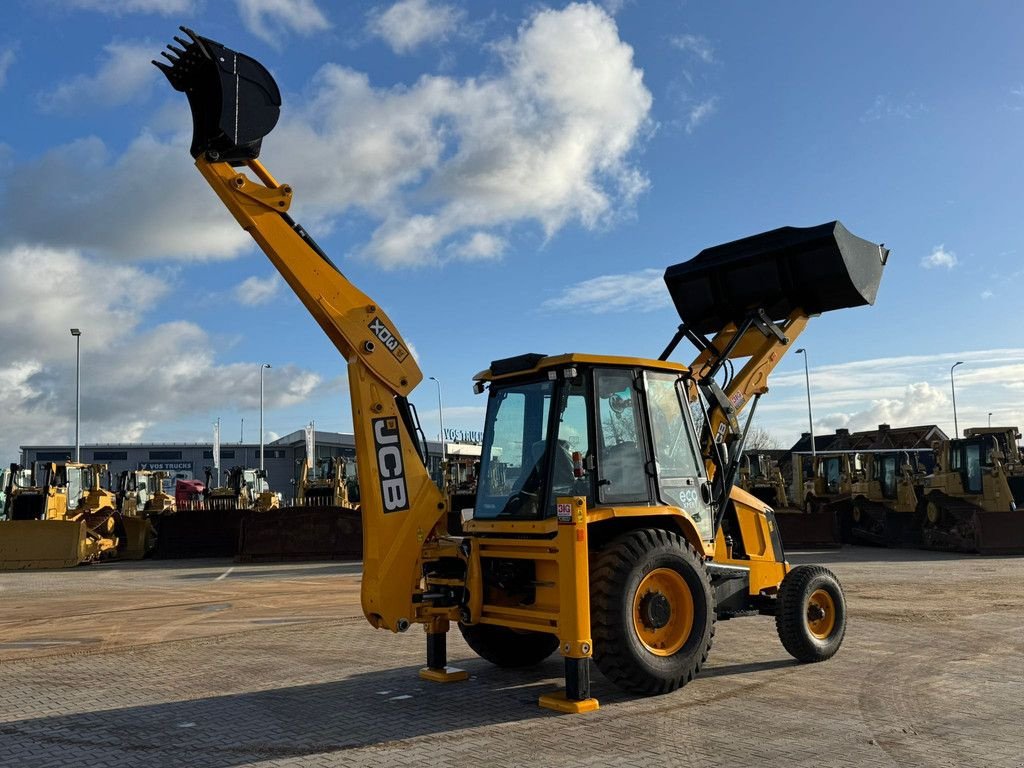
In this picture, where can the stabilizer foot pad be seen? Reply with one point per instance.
(446, 675)
(559, 703)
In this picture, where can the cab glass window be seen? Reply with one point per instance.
(621, 476)
(572, 452)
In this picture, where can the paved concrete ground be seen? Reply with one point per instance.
(210, 664)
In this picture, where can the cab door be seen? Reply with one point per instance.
(681, 477)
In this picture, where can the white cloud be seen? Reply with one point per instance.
(148, 202)
(121, 7)
(545, 139)
(268, 18)
(886, 107)
(700, 113)
(6, 59)
(697, 45)
(125, 75)
(409, 23)
(642, 291)
(132, 379)
(256, 290)
(986, 294)
(939, 257)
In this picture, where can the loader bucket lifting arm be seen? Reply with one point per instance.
(755, 296)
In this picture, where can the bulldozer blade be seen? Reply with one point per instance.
(815, 269)
(137, 538)
(234, 99)
(301, 533)
(812, 530)
(36, 544)
(999, 533)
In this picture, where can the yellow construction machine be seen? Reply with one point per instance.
(972, 501)
(64, 517)
(606, 524)
(884, 498)
(328, 484)
(760, 475)
(141, 492)
(244, 489)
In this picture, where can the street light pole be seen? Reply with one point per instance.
(810, 418)
(440, 417)
(262, 369)
(952, 386)
(990, 418)
(78, 392)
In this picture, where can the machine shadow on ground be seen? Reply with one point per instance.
(364, 710)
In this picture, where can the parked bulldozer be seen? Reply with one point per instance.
(244, 489)
(62, 519)
(812, 518)
(328, 484)
(141, 492)
(885, 498)
(972, 499)
(607, 524)
(760, 475)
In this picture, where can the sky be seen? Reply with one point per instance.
(503, 178)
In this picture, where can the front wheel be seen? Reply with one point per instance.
(652, 611)
(811, 613)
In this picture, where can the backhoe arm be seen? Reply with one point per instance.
(401, 505)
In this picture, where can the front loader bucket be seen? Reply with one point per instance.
(816, 269)
(999, 533)
(31, 544)
(234, 99)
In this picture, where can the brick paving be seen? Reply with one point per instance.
(176, 664)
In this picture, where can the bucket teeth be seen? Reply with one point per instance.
(173, 59)
(176, 51)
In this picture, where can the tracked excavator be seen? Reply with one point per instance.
(974, 499)
(607, 525)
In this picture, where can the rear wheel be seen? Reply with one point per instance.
(811, 613)
(652, 612)
(506, 647)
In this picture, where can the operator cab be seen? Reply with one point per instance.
(618, 431)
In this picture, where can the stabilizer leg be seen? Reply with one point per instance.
(437, 669)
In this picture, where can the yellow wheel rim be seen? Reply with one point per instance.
(821, 614)
(663, 611)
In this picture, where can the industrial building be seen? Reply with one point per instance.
(283, 458)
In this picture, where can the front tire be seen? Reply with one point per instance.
(652, 612)
(810, 613)
(506, 647)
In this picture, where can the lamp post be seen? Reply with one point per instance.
(810, 418)
(990, 418)
(78, 391)
(440, 417)
(952, 387)
(262, 369)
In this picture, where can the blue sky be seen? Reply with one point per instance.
(504, 178)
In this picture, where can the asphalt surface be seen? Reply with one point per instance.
(214, 664)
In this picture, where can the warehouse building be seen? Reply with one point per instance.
(283, 458)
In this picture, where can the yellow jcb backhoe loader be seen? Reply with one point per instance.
(972, 501)
(606, 523)
(884, 498)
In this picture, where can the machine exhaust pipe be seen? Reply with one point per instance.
(234, 99)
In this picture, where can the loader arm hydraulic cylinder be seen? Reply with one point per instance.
(401, 505)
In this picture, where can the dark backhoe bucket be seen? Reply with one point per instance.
(234, 99)
(816, 269)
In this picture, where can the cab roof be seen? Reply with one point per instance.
(512, 367)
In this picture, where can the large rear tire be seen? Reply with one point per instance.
(652, 611)
(811, 613)
(506, 647)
